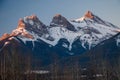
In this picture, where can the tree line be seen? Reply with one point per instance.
(14, 66)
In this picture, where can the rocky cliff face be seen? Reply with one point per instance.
(59, 20)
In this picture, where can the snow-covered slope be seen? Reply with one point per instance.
(94, 29)
(88, 30)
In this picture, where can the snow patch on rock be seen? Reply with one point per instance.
(118, 41)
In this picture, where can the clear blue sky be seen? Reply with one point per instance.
(12, 10)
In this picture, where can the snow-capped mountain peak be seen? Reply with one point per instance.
(22, 23)
(87, 16)
(31, 24)
(27, 26)
(59, 20)
(88, 30)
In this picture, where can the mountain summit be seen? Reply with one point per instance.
(90, 18)
(89, 14)
(59, 20)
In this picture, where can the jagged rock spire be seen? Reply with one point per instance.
(59, 20)
(21, 23)
(88, 14)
